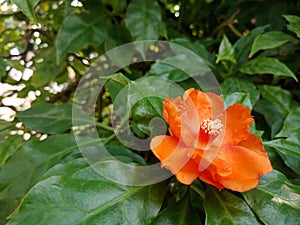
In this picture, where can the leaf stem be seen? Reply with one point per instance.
(101, 125)
(198, 190)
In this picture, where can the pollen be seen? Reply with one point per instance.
(211, 127)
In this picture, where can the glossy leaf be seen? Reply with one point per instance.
(33, 159)
(167, 71)
(271, 114)
(51, 119)
(289, 150)
(2, 68)
(9, 146)
(198, 48)
(281, 98)
(243, 45)
(143, 18)
(238, 97)
(231, 85)
(115, 84)
(226, 51)
(224, 208)
(80, 30)
(270, 40)
(180, 213)
(82, 196)
(264, 65)
(275, 200)
(47, 69)
(294, 24)
(291, 125)
(27, 7)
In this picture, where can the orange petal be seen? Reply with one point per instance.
(238, 121)
(181, 124)
(246, 167)
(171, 113)
(175, 157)
(216, 103)
(198, 100)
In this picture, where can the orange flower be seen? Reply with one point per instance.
(210, 143)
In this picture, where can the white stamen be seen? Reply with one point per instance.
(213, 127)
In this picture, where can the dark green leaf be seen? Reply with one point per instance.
(294, 24)
(231, 85)
(198, 48)
(52, 119)
(118, 5)
(27, 7)
(275, 200)
(271, 115)
(291, 126)
(243, 45)
(264, 65)
(144, 111)
(270, 40)
(226, 51)
(47, 69)
(2, 68)
(125, 155)
(281, 98)
(289, 150)
(9, 146)
(115, 84)
(24, 168)
(169, 72)
(238, 97)
(84, 197)
(181, 213)
(80, 30)
(224, 208)
(143, 18)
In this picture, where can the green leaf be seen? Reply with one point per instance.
(145, 110)
(198, 48)
(27, 7)
(281, 98)
(226, 51)
(231, 85)
(47, 69)
(275, 200)
(84, 197)
(271, 114)
(224, 208)
(237, 97)
(52, 119)
(180, 213)
(2, 68)
(270, 40)
(264, 65)
(115, 84)
(9, 146)
(289, 151)
(143, 18)
(243, 45)
(294, 24)
(291, 126)
(24, 168)
(169, 72)
(80, 30)
(125, 155)
(117, 5)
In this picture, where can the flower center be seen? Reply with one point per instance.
(211, 127)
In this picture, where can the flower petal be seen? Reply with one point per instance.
(175, 157)
(246, 166)
(238, 121)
